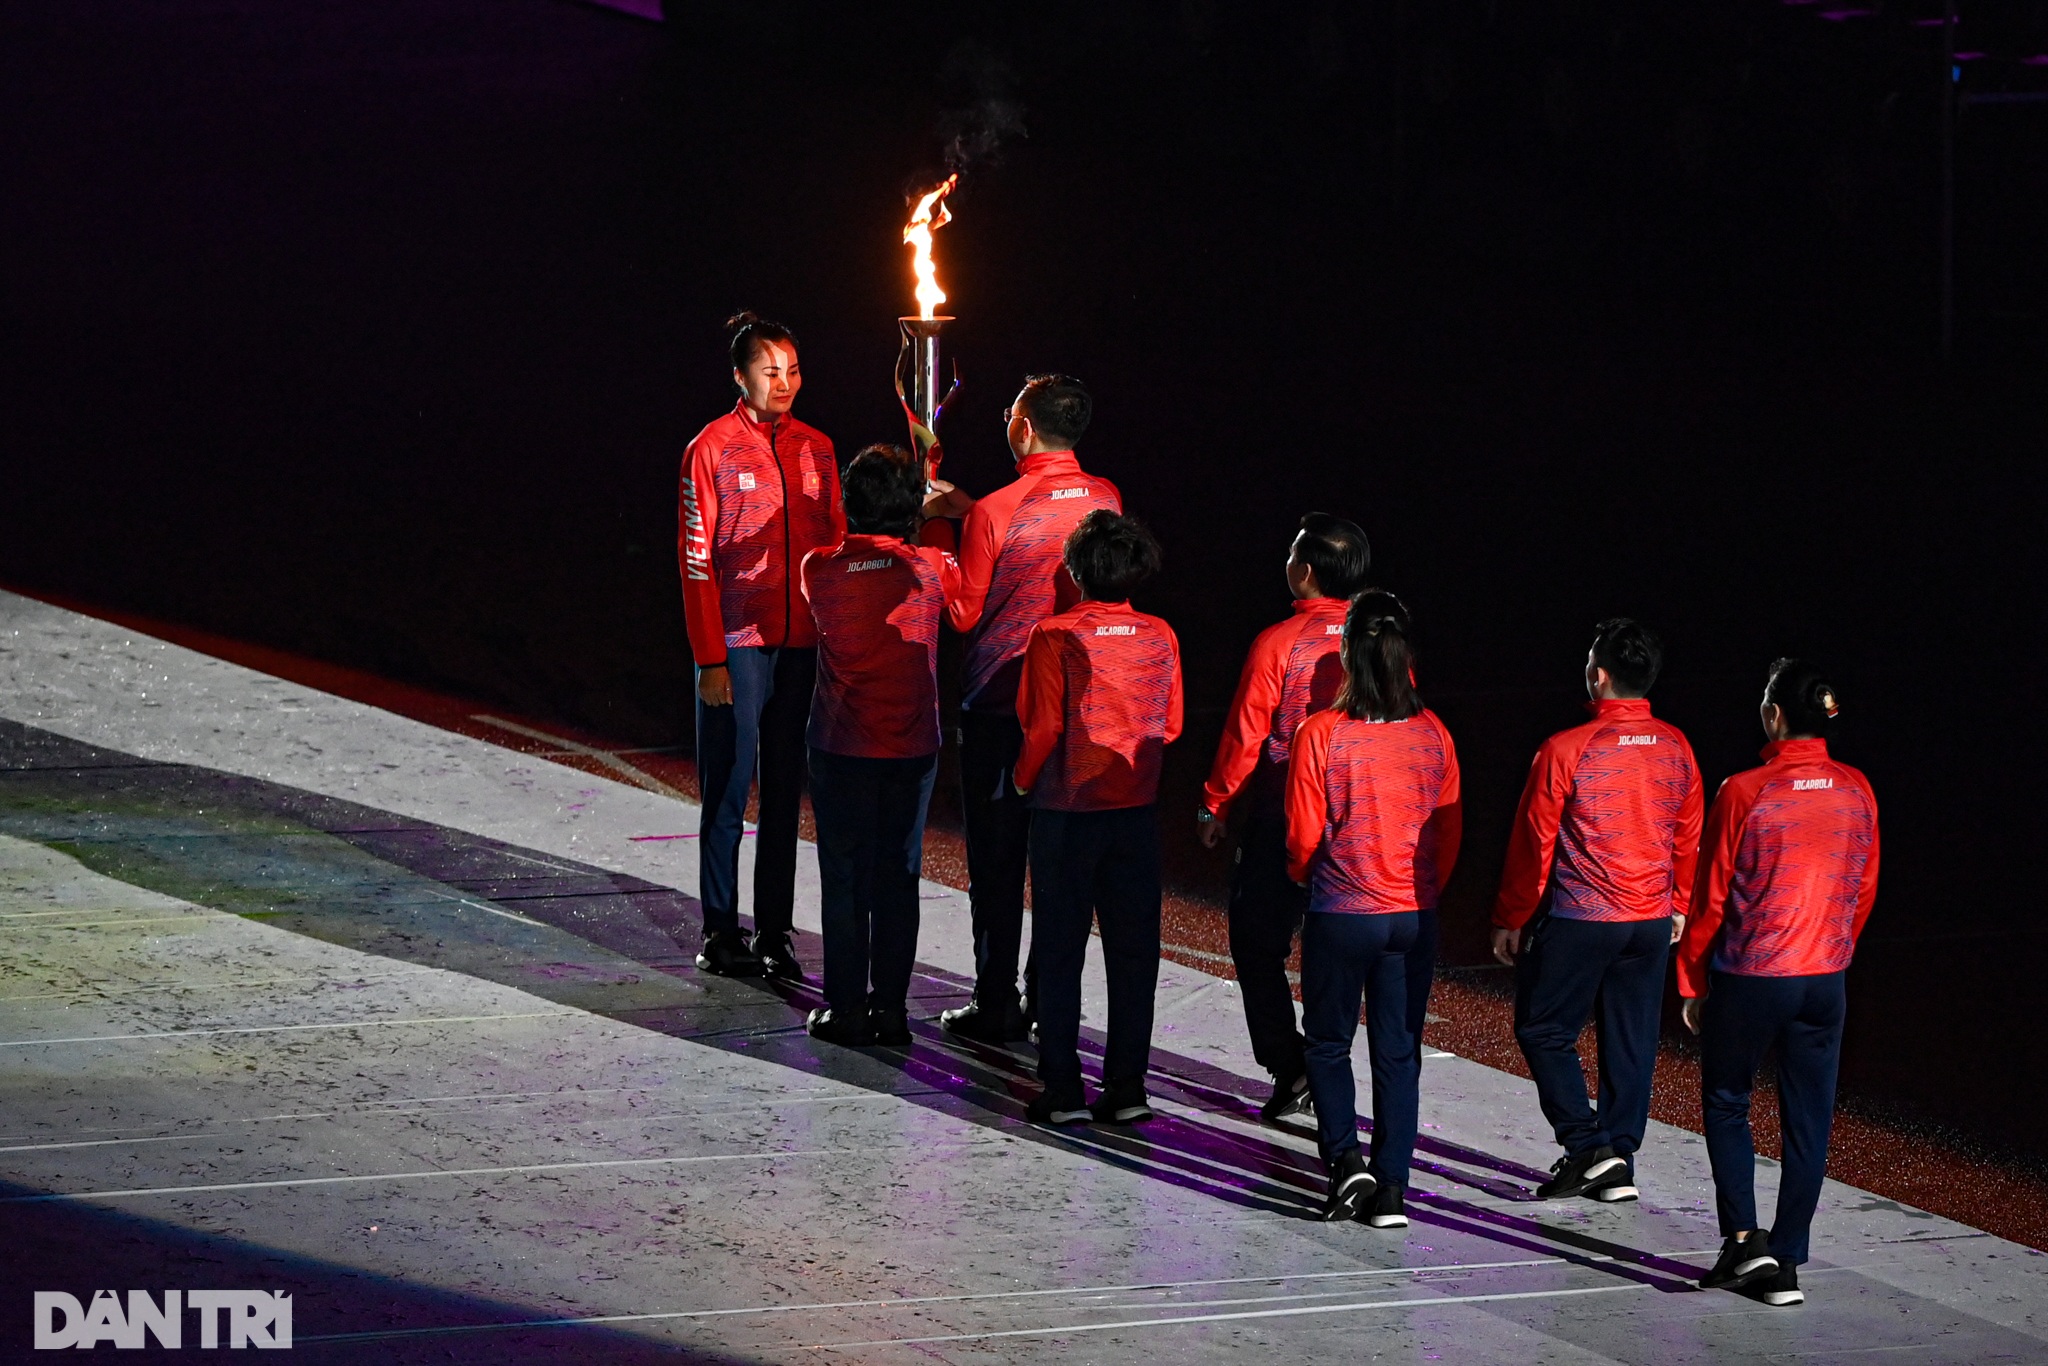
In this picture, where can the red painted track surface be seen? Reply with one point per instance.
(1470, 1011)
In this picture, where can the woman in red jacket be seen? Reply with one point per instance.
(1788, 873)
(1373, 823)
(759, 490)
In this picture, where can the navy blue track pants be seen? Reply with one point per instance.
(1612, 970)
(1742, 1017)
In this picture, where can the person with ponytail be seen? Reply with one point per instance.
(1788, 874)
(759, 491)
(1373, 826)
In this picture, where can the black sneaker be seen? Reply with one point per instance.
(891, 1027)
(985, 1026)
(1618, 1186)
(1051, 1109)
(1122, 1102)
(1781, 1290)
(1387, 1208)
(1351, 1185)
(725, 954)
(1290, 1097)
(1577, 1173)
(778, 959)
(839, 1029)
(1742, 1263)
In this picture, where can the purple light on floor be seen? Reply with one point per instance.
(1836, 16)
(1933, 23)
(1969, 56)
(2038, 59)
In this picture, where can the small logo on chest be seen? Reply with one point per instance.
(746, 482)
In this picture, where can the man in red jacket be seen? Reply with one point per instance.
(1610, 823)
(1011, 579)
(1099, 700)
(759, 491)
(1293, 671)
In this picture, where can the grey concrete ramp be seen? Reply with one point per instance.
(298, 995)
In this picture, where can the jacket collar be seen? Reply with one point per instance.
(745, 414)
(1793, 750)
(1048, 462)
(866, 539)
(1632, 708)
(1335, 607)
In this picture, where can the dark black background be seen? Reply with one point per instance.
(375, 332)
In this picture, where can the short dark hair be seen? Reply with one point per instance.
(883, 490)
(1058, 405)
(1109, 555)
(1631, 654)
(1379, 660)
(1337, 551)
(1803, 693)
(750, 333)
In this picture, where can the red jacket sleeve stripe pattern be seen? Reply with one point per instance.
(1099, 700)
(1011, 574)
(755, 499)
(1617, 804)
(877, 602)
(1789, 870)
(1374, 817)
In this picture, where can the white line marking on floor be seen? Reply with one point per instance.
(285, 1029)
(494, 910)
(457, 1171)
(94, 990)
(197, 914)
(637, 777)
(1139, 1287)
(103, 1143)
(69, 910)
(1056, 1330)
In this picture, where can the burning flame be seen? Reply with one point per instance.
(918, 234)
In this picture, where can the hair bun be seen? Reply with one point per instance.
(746, 317)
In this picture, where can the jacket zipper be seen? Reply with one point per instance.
(788, 603)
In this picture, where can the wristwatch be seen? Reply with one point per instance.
(1204, 816)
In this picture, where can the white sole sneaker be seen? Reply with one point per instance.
(1386, 1221)
(1783, 1299)
(1614, 1194)
(1604, 1166)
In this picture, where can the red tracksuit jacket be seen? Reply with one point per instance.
(1613, 807)
(1099, 700)
(1373, 813)
(755, 498)
(877, 602)
(1790, 870)
(1294, 668)
(1011, 577)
